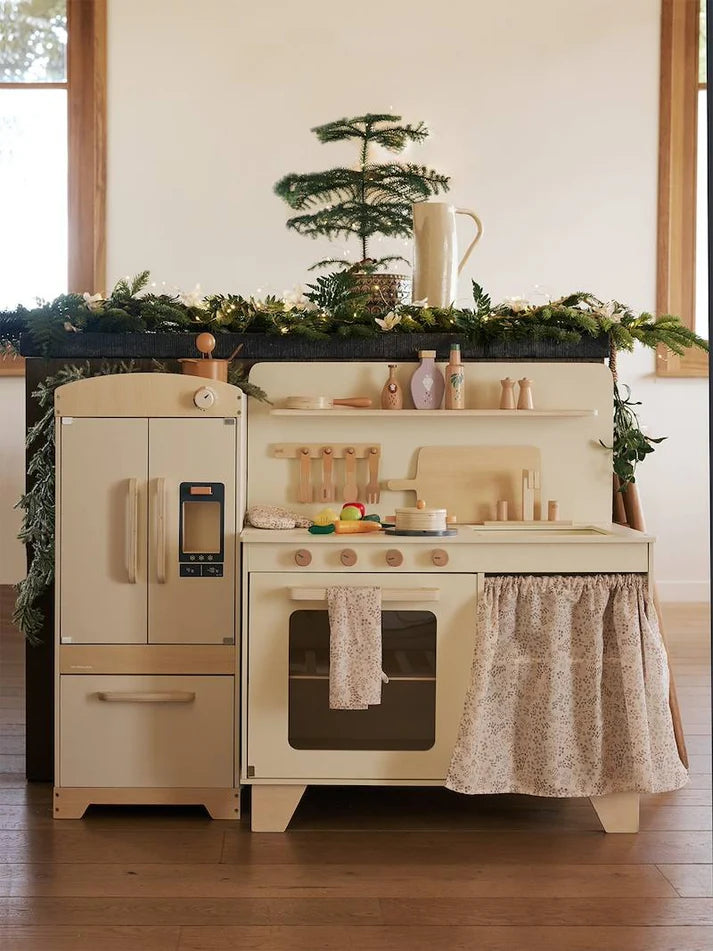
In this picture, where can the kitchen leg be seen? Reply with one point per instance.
(272, 807)
(618, 812)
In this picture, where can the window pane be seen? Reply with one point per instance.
(33, 195)
(702, 65)
(702, 218)
(33, 41)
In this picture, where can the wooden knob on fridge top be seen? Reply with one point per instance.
(303, 557)
(394, 557)
(421, 504)
(348, 557)
(205, 343)
(439, 557)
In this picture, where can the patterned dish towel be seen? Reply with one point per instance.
(355, 675)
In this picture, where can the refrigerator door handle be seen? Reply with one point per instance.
(133, 504)
(161, 531)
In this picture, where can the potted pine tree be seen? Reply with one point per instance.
(369, 199)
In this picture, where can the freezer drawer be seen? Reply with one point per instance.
(159, 731)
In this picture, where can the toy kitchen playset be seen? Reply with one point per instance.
(489, 632)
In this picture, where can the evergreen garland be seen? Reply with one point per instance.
(331, 307)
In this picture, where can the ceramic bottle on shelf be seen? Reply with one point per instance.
(427, 383)
(392, 396)
(455, 380)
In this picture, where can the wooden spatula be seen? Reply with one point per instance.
(351, 490)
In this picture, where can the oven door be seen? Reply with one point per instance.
(428, 633)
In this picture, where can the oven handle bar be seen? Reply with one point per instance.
(387, 594)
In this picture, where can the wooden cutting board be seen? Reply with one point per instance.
(467, 481)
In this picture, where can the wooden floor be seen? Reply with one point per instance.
(396, 869)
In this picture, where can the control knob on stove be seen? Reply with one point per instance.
(348, 557)
(394, 557)
(204, 398)
(439, 557)
(303, 557)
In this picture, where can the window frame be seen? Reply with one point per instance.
(86, 151)
(678, 141)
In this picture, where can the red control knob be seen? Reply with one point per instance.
(394, 557)
(348, 557)
(439, 557)
(303, 557)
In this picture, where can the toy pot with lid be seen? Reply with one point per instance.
(435, 258)
(205, 366)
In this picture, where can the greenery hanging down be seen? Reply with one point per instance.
(630, 445)
(37, 531)
(372, 198)
(334, 307)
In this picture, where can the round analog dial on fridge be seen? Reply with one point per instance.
(204, 398)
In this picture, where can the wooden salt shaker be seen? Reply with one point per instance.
(501, 510)
(507, 397)
(525, 398)
(553, 511)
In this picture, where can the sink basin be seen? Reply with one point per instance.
(541, 530)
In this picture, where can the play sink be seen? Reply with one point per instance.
(541, 530)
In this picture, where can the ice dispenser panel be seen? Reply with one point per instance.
(201, 531)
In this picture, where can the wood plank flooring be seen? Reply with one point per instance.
(362, 868)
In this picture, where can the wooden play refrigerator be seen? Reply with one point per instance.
(149, 506)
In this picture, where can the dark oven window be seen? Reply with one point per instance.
(406, 717)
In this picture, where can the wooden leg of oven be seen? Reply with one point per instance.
(272, 807)
(618, 812)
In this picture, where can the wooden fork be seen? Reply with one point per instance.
(372, 489)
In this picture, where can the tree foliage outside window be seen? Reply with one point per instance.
(34, 41)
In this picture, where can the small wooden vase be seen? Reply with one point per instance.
(392, 396)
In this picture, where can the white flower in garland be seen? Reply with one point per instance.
(93, 301)
(517, 304)
(296, 299)
(193, 298)
(610, 311)
(420, 303)
(390, 321)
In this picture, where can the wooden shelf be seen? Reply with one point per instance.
(401, 413)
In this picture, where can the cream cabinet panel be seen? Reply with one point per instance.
(188, 455)
(102, 530)
(155, 731)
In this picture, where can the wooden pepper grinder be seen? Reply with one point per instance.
(507, 397)
(525, 398)
(392, 396)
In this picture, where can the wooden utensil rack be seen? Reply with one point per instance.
(295, 450)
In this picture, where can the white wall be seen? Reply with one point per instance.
(544, 113)
(12, 479)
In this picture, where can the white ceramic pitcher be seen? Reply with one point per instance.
(435, 260)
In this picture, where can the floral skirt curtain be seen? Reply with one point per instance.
(569, 691)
